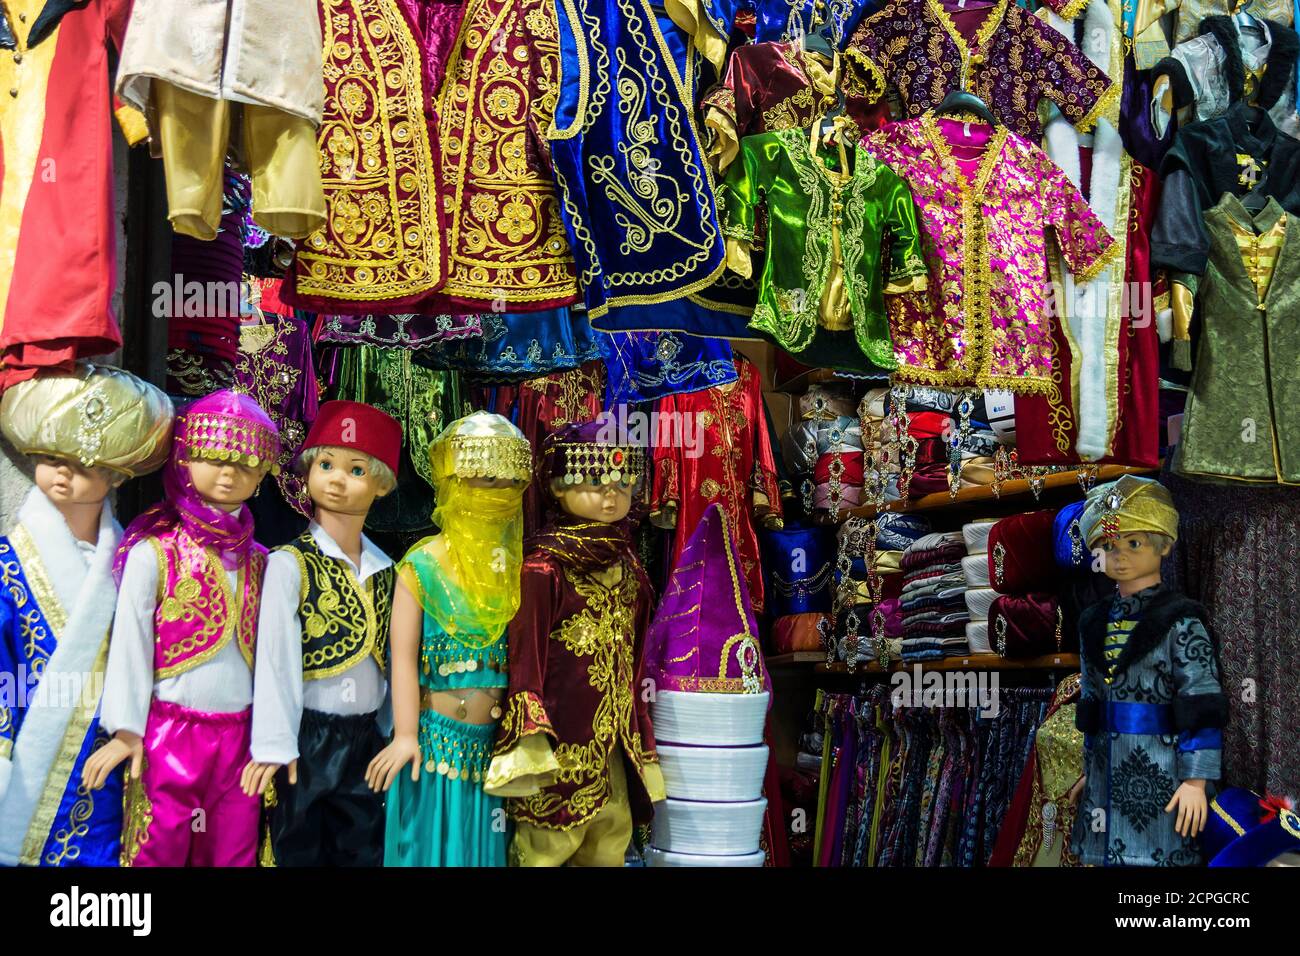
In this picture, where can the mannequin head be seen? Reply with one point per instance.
(345, 481)
(592, 501)
(1132, 559)
(67, 482)
(224, 484)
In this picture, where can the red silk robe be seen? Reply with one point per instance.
(58, 261)
(733, 465)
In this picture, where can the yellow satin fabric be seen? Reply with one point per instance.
(279, 149)
(601, 841)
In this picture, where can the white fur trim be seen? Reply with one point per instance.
(90, 615)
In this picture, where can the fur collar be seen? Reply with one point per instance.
(1283, 51)
(65, 564)
(1159, 613)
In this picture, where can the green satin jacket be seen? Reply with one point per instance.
(813, 213)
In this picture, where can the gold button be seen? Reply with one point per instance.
(18, 58)
(13, 91)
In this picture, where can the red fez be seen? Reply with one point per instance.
(357, 426)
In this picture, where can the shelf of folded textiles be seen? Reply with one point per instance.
(967, 662)
(977, 494)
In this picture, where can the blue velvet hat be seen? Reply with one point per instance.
(1235, 836)
(1071, 551)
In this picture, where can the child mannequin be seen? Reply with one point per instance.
(85, 434)
(1151, 707)
(316, 700)
(456, 592)
(576, 751)
(180, 684)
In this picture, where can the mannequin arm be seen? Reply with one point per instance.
(404, 642)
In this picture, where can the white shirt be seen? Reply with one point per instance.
(280, 694)
(223, 684)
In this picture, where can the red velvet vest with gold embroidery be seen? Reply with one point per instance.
(198, 613)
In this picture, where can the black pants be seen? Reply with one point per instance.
(330, 817)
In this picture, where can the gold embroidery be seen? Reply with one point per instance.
(46, 603)
(603, 631)
(506, 237)
(217, 618)
(382, 240)
(344, 606)
(137, 817)
(56, 782)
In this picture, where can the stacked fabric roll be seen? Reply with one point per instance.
(979, 596)
(710, 707)
(894, 534)
(932, 602)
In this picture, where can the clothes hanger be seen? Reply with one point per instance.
(960, 101)
(817, 40)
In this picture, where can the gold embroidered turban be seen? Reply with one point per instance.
(97, 415)
(481, 445)
(1128, 504)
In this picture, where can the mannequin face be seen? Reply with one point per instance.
(606, 503)
(224, 484)
(67, 482)
(343, 481)
(1130, 557)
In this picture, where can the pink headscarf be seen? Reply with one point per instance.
(224, 426)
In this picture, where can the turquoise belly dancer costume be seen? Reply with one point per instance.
(445, 818)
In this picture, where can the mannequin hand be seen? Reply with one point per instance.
(256, 776)
(105, 760)
(383, 770)
(1192, 807)
(1073, 796)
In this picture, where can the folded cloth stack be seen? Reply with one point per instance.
(932, 601)
(1026, 618)
(979, 597)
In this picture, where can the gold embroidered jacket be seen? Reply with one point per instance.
(575, 676)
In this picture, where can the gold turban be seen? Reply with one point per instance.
(1128, 504)
(97, 415)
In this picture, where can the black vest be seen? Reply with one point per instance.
(342, 620)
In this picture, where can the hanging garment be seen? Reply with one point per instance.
(647, 366)
(822, 265)
(1242, 153)
(774, 86)
(637, 193)
(984, 320)
(1049, 424)
(1226, 557)
(729, 460)
(276, 370)
(397, 331)
(58, 262)
(1192, 13)
(382, 247)
(517, 345)
(1239, 421)
(1002, 53)
(506, 249)
(186, 64)
(1229, 63)
(1036, 831)
(425, 401)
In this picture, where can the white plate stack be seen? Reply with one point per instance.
(713, 759)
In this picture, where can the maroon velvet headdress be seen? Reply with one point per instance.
(1022, 553)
